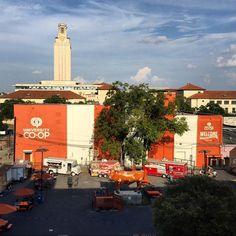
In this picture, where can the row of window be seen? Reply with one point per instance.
(56, 87)
(223, 102)
(233, 110)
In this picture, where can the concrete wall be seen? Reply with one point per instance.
(185, 145)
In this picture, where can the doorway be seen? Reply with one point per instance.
(69, 166)
(27, 156)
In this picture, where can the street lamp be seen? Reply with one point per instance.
(205, 159)
(40, 196)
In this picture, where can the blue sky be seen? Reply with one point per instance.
(165, 43)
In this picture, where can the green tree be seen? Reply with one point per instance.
(183, 104)
(197, 206)
(7, 108)
(91, 102)
(56, 99)
(2, 125)
(212, 108)
(136, 117)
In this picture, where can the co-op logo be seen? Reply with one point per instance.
(208, 126)
(36, 121)
(36, 132)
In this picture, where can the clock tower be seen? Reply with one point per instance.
(62, 55)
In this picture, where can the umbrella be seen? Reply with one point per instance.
(21, 192)
(6, 209)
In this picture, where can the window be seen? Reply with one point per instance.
(226, 110)
(226, 102)
(54, 164)
(212, 102)
(233, 110)
(233, 102)
(202, 100)
(219, 102)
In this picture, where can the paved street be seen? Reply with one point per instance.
(223, 175)
(68, 212)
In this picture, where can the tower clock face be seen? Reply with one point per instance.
(62, 38)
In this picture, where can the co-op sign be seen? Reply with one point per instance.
(36, 132)
(209, 132)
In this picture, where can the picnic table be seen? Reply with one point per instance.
(24, 205)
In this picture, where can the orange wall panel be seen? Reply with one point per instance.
(209, 137)
(164, 148)
(40, 126)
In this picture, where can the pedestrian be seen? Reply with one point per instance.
(214, 173)
(70, 182)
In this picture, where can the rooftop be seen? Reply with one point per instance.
(190, 86)
(104, 86)
(41, 94)
(215, 95)
(229, 135)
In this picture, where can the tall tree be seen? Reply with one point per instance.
(183, 104)
(212, 108)
(56, 99)
(136, 117)
(7, 108)
(197, 206)
(2, 125)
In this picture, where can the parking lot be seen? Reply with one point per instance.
(68, 211)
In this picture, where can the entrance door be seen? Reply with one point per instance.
(27, 156)
(69, 165)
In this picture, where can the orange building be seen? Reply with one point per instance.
(205, 133)
(67, 131)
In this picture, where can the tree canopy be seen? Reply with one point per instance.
(197, 206)
(2, 125)
(56, 99)
(183, 104)
(135, 118)
(7, 108)
(212, 108)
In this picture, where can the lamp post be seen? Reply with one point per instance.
(205, 159)
(40, 196)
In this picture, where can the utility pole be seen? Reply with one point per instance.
(40, 196)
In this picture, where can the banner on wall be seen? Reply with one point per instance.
(36, 131)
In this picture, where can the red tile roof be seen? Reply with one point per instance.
(104, 86)
(215, 95)
(167, 90)
(189, 86)
(41, 94)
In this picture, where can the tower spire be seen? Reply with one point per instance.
(62, 55)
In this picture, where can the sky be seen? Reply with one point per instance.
(164, 43)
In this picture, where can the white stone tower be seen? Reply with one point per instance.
(62, 55)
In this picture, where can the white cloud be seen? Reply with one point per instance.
(145, 75)
(79, 79)
(231, 62)
(191, 66)
(156, 78)
(99, 80)
(231, 48)
(36, 72)
(156, 40)
(232, 78)
(207, 79)
(142, 75)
